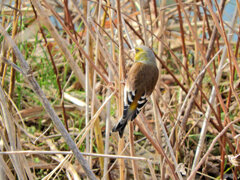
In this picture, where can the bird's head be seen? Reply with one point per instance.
(144, 54)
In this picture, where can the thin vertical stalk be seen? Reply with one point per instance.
(14, 32)
(185, 79)
(231, 80)
(212, 97)
(126, 31)
(121, 71)
(131, 127)
(55, 71)
(205, 59)
(40, 93)
(153, 175)
(131, 140)
(5, 53)
(196, 62)
(143, 128)
(97, 128)
(87, 84)
(195, 30)
(223, 34)
(144, 23)
(203, 159)
(11, 132)
(155, 11)
(162, 28)
(107, 132)
(158, 116)
(184, 51)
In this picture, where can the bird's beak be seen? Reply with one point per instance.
(133, 51)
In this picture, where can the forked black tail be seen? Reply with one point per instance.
(120, 126)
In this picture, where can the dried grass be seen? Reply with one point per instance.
(63, 67)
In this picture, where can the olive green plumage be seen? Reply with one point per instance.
(141, 81)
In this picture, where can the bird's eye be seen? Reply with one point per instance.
(137, 50)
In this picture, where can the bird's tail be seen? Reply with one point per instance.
(120, 126)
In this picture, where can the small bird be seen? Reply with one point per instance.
(141, 80)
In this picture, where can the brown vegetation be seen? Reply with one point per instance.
(63, 67)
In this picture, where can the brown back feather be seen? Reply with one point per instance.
(142, 78)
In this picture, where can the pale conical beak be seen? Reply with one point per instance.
(133, 51)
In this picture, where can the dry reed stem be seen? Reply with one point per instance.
(167, 38)
(167, 139)
(152, 170)
(63, 163)
(70, 152)
(27, 73)
(107, 132)
(5, 170)
(87, 79)
(14, 32)
(190, 92)
(212, 101)
(97, 128)
(87, 128)
(18, 162)
(223, 34)
(151, 138)
(193, 173)
(146, 42)
(122, 73)
(230, 53)
(101, 48)
(56, 73)
(131, 140)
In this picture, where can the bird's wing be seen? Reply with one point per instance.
(141, 81)
(142, 77)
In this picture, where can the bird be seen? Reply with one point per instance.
(140, 83)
